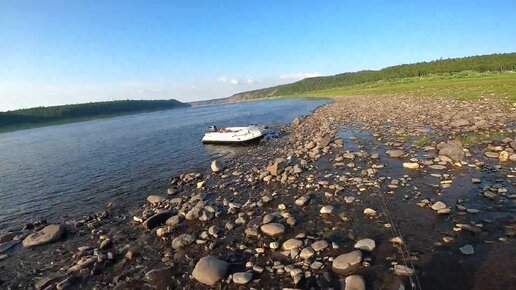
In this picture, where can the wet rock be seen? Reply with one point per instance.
(347, 262)
(4, 237)
(503, 156)
(395, 153)
(451, 149)
(47, 281)
(67, 283)
(242, 277)
(182, 241)
(307, 253)
(369, 212)
(273, 229)
(490, 154)
(217, 165)
(209, 270)
(48, 234)
(7, 245)
(467, 250)
(153, 199)
(365, 244)
(157, 220)
(292, 244)
(302, 200)
(354, 282)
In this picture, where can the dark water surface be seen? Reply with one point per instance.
(74, 169)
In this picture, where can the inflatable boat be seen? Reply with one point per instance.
(233, 135)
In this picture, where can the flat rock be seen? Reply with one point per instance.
(395, 153)
(346, 262)
(438, 206)
(402, 270)
(209, 270)
(273, 229)
(153, 199)
(410, 165)
(327, 209)
(365, 244)
(182, 241)
(319, 245)
(490, 154)
(242, 277)
(292, 244)
(451, 149)
(48, 234)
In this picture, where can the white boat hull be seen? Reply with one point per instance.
(234, 135)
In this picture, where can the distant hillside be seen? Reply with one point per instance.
(42, 116)
(483, 63)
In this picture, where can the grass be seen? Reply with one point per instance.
(477, 138)
(463, 86)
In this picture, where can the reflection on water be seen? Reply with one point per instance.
(77, 168)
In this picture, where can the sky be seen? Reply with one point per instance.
(73, 51)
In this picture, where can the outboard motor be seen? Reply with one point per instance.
(212, 129)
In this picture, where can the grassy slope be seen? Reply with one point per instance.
(466, 86)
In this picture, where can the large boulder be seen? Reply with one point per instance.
(209, 270)
(451, 149)
(277, 167)
(48, 234)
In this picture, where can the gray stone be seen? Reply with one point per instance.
(48, 234)
(395, 153)
(292, 244)
(217, 165)
(242, 277)
(157, 220)
(451, 149)
(354, 282)
(319, 245)
(182, 241)
(153, 199)
(277, 167)
(209, 270)
(467, 250)
(438, 206)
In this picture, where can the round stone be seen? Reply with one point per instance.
(153, 199)
(242, 277)
(319, 245)
(328, 209)
(209, 270)
(354, 282)
(273, 229)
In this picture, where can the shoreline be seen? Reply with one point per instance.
(287, 222)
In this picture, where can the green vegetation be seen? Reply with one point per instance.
(43, 116)
(422, 141)
(465, 78)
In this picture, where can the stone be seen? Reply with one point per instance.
(451, 149)
(319, 245)
(242, 277)
(7, 245)
(273, 229)
(182, 241)
(277, 167)
(365, 244)
(296, 122)
(4, 237)
(209, 270)
(302, 200)
(438, 206)
(161, 278)
(325, 141)
(395, 153)
(292, 244)
(173, 220)
(153, 199)
(369, 212)
(504, 156)
(354, 282)
(490, 154)
(307, 253)
(217, 165)
(48, 234)
(467, 250)
(327, 209)
(402, 270)
(67, 283)
(410, 165)
(157, 220)
(459, 123)
(437, 167)
(347, 262)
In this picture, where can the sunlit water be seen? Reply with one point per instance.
(69, 170)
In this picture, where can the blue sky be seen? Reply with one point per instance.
(59, 52)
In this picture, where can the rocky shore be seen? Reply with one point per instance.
(392, 192)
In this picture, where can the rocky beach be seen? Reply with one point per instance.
(367, 192)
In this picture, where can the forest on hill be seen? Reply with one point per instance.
(40, 116)
(482, 63)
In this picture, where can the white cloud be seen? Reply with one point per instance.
(225, 79)
(233, 81)
(250, 81)
(299, 76)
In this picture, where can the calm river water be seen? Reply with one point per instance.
(73, 169)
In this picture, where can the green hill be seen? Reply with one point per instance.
(442, 68)
(43, 116)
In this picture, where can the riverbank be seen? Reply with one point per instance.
(369, 191)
